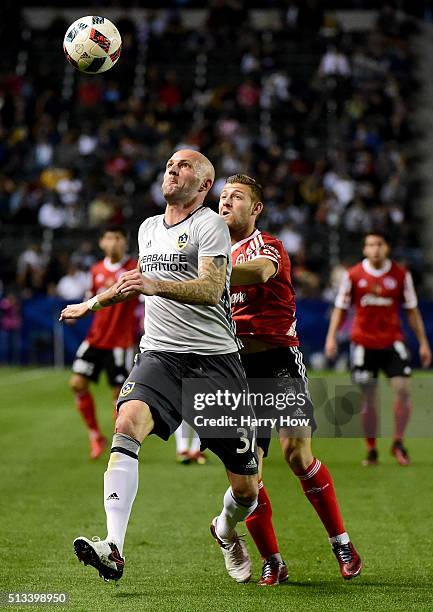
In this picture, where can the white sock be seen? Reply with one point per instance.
(232, 513)
(120, 487)
(181, 435)
(343, 538)
(195, 442)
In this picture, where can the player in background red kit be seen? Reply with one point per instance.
(110, 342)
(264, 309)
(377, 287)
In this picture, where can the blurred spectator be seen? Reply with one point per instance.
(341, 186)
(69, 188)
(248, 94)
(170, 94)
(291, 239)
(334, 63)
(250, 62)
(31, 269)
(43, 152)
(306, 281)
(73, 286)
(52, 213)
(10, 325)
(90, 93)
(101, 210)
(357, 219)
(84, 257)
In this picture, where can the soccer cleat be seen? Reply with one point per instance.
(400, 453)
(273, 573)
(198, 457)
(372, 458)
(97, 447)
(102, 555)
(236, 557)
(183, 457)
(348, 559)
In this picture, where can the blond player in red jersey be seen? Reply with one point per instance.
(110, 342)
(264, 310)
(377, 287)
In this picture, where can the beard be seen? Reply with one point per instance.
(170, 190)
(174, 192)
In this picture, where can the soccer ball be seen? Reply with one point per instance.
(92, 44)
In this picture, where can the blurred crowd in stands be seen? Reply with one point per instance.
(320, 116)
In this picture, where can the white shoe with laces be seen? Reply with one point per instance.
(102, 555)
(236, 557)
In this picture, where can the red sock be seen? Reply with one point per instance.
(402, 412)
(86, 406)
(369, 423)
(260, 525)
(319, 489)
(370, 443)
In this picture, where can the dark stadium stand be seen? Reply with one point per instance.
(318, 112)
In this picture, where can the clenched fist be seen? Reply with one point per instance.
(134, 281)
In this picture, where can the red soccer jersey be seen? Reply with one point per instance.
(265, 311)
(114, 326)
(377, 296)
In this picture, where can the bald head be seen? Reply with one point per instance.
(188, 177)
(201, 162)
(208, 171)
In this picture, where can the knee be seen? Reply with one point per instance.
(126, 423)
(403, 396)
(297, 454)
(134, 419)
(246, 493)
(298, 462)
(369, 399)
(78, 383)
(288, 447)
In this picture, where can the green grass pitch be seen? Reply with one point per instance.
(51, 492)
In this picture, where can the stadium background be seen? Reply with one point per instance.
(325, 103)
(329, 104)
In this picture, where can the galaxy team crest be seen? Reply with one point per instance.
(182, 241)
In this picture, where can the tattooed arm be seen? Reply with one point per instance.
(205, 290)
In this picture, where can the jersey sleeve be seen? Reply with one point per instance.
(141, 236)
(213, 237)
(410, 299)
(344, 295)
(269, 250)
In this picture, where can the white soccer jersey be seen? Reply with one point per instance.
(171, 252)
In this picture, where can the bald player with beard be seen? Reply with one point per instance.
(184, 272)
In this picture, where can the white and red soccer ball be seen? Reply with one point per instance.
(92, 44)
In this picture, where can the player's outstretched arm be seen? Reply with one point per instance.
(415, 321)
(331, 347)
(107, 298)
(258, 270)
(206, 290)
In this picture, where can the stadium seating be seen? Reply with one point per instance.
(318, 112)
